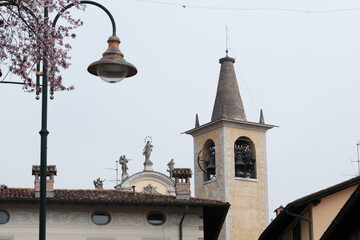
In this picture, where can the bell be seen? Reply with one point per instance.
(210, 166)
(239, 160)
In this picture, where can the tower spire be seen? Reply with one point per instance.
(228, 100)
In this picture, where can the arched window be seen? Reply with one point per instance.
(100, 218)
(156, 218)
(245, 163)
(206, 160)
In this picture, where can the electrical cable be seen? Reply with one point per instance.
(253, 9)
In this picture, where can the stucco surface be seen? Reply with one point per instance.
(327, 210)
(74, 223)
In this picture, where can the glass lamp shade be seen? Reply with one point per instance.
(112, 67)
(112, 73)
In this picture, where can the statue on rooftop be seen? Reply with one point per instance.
(98, 183)
(146, 152)
(171, 165)
(123, 161)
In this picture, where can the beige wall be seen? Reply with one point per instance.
(321, 215)
(326, 211)
(74, 223)
(248, 214)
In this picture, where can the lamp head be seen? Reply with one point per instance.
(112, 67)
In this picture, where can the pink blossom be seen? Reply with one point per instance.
(26, 38)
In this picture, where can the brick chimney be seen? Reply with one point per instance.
(182, 182)
(279, 210)
(50, 173)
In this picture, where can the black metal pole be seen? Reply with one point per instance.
(43, 149)
(44, 132)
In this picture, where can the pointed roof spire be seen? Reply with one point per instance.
(262, 121)
(228, 102)
(197, 124)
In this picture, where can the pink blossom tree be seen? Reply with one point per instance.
(27, 37)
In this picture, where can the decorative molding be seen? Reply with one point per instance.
(129, 219)
(150, 189)
(149, 176)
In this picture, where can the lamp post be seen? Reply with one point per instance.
(112, 68)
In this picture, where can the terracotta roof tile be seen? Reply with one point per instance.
(104, 196)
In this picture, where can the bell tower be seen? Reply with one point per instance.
(230, 160)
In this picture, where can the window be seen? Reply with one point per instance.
(101, 218)
(156, 218)
(206, 160)
(4, 217)
(244, 158)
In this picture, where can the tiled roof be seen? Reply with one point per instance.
(277, 226)
(104, 196)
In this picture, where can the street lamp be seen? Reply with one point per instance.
(112, 68)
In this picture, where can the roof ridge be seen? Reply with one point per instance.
(329, 190)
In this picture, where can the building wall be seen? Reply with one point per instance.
(321, 215)
(212, 189)
(304, 228)
(326, 211)
(248, 214)
(75, 223)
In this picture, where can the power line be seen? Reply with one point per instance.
(254, 9)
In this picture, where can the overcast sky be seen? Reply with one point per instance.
(296, 60)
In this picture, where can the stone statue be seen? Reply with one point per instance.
(171, 165)
(146, 152)
(98, 183)
(123, 161)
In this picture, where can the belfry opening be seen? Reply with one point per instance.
(244, 158)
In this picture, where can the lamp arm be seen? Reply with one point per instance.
(91, 3)
(11, 2)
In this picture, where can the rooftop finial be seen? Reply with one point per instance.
(261, 121)
(227, 38)
(197, 124)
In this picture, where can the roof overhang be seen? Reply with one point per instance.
(229, 122)
(214, 218)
